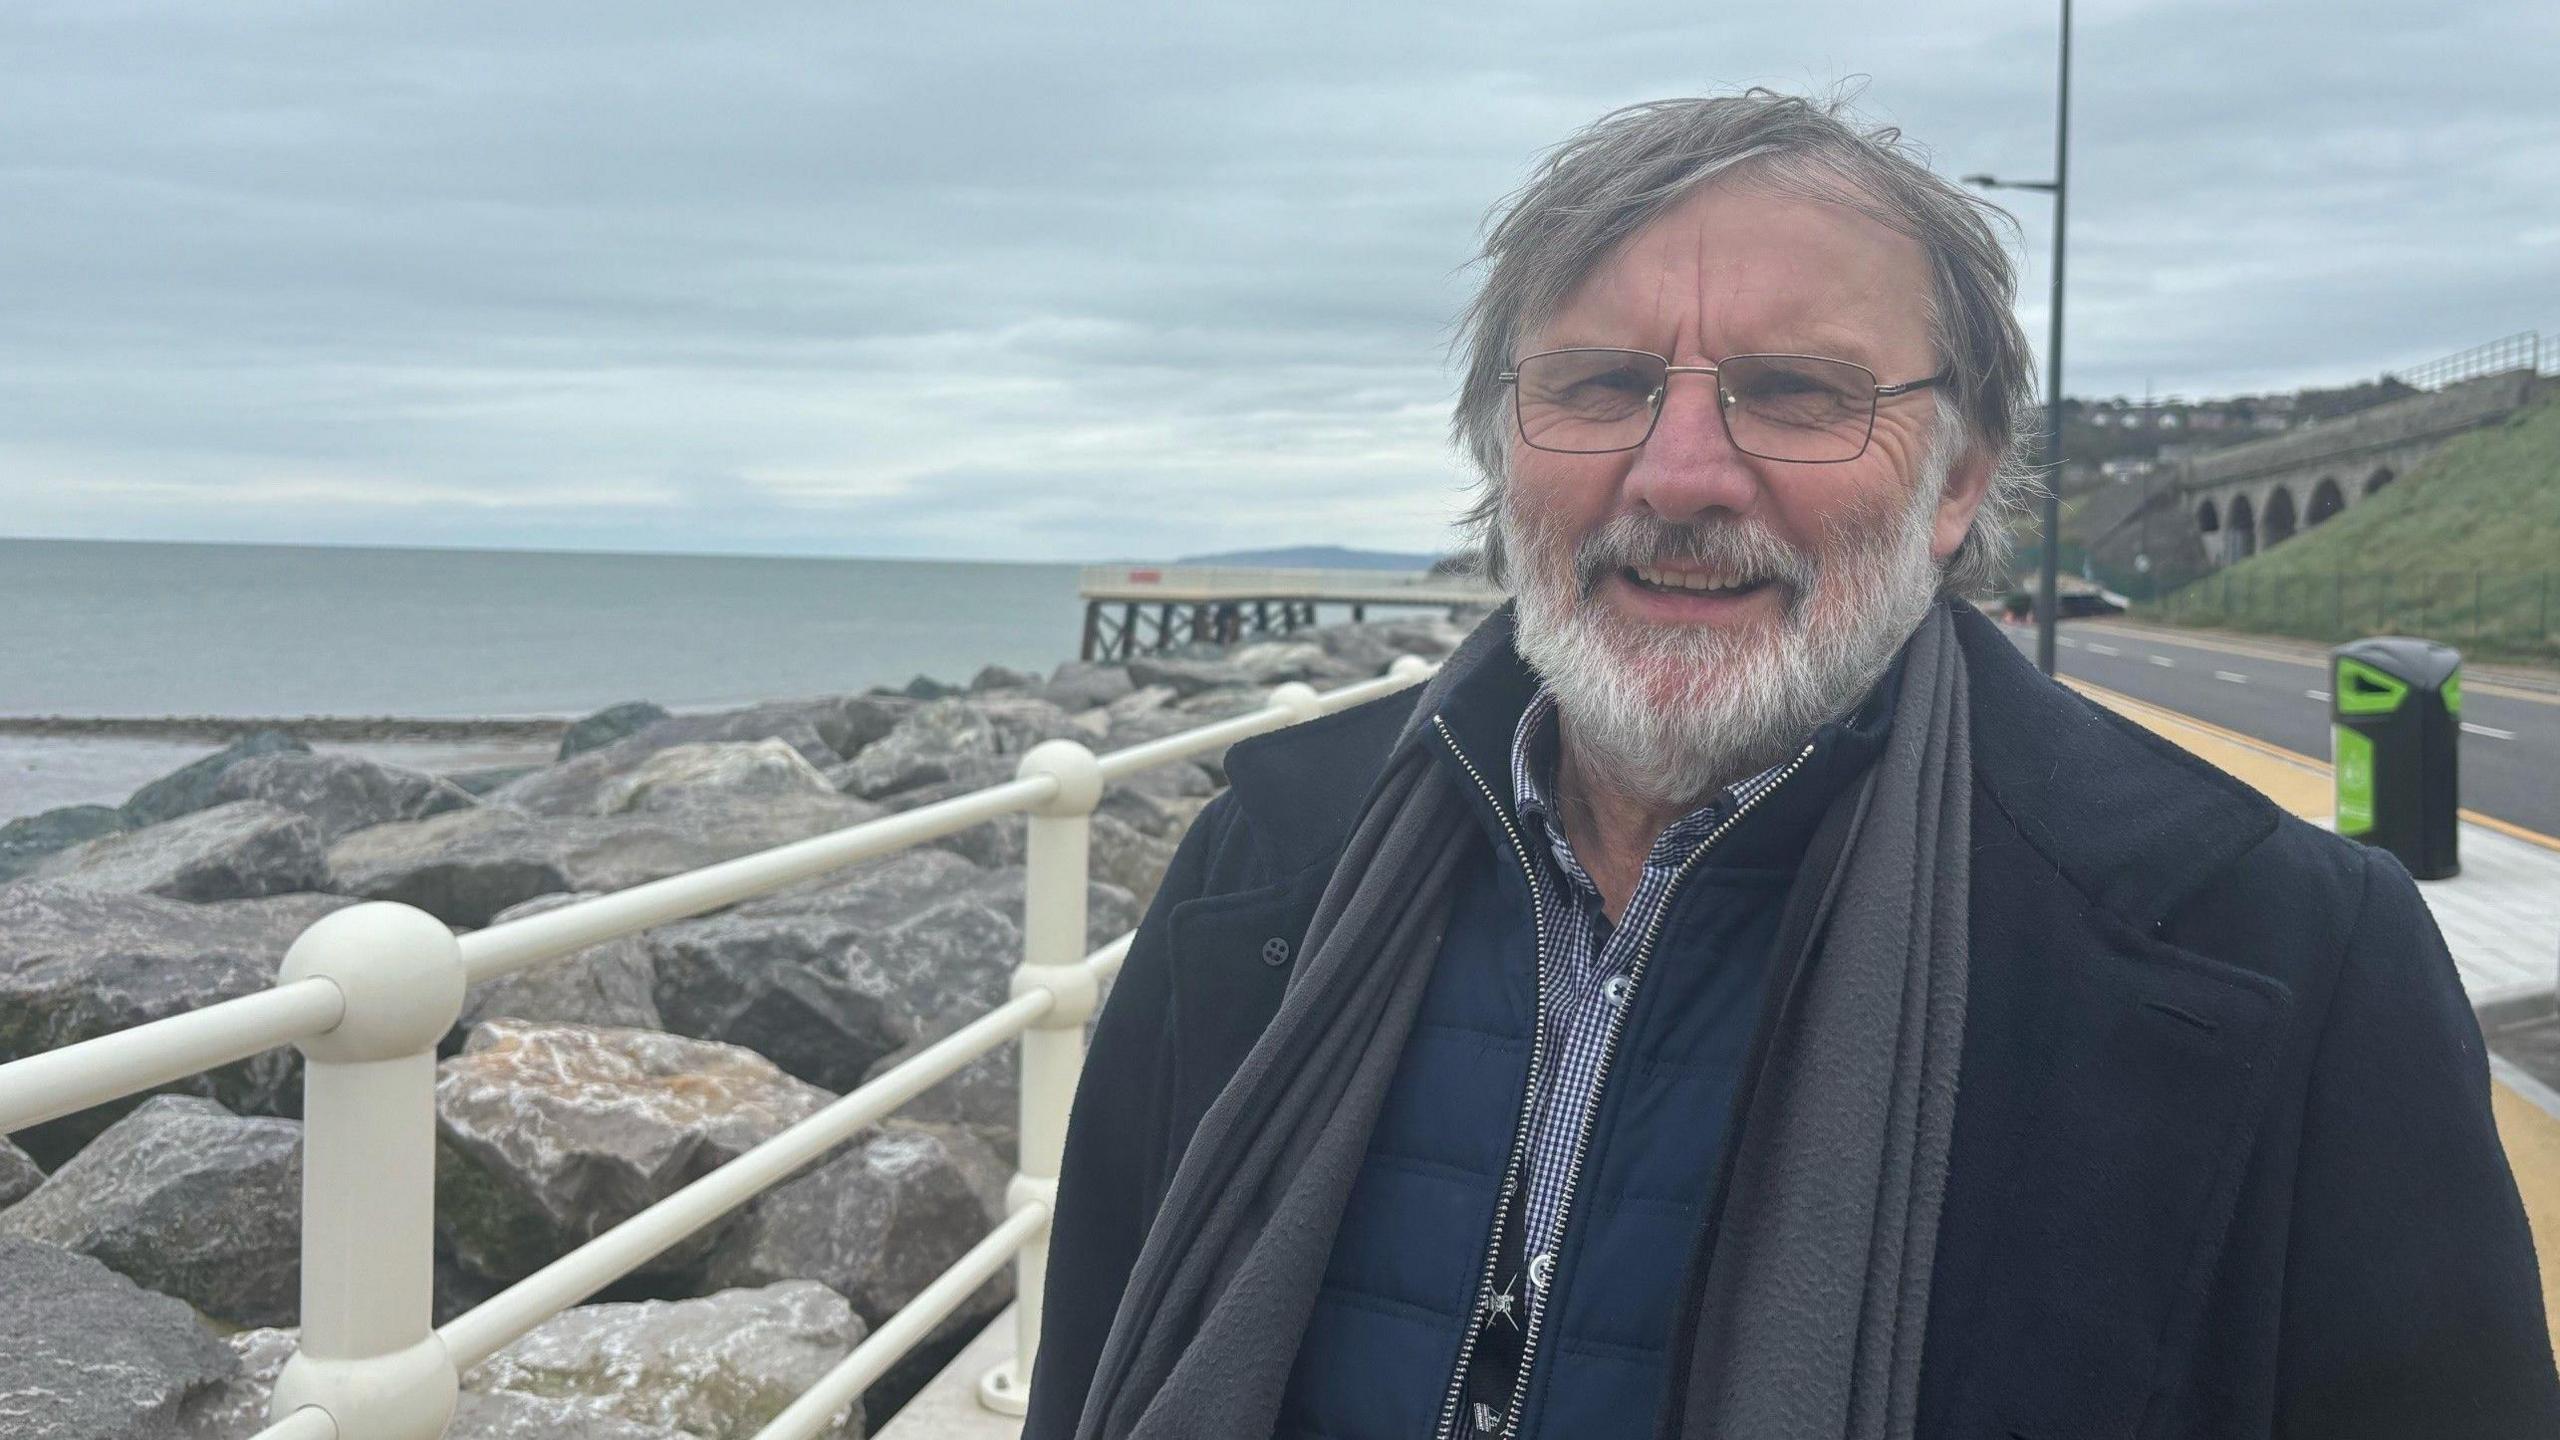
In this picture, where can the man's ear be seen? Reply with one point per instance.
(1967, 484)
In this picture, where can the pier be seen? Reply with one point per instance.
(1132, 610)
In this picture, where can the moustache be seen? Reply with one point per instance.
(1740, 547)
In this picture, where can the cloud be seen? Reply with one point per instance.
(1062, 282)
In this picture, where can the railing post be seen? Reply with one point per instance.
(368, 1353)
(1060, 830)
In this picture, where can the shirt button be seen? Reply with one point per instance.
(1275, 951)
(1541, 1266)
(1615, 988)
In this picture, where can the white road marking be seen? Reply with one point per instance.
(2066, 642)
(2097, 649)
(2320, 695)
(2163, 661)
(2492, 731)
(2234, 676)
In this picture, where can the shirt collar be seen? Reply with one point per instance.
(1533, 761)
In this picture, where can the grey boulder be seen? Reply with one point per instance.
(30, 838)
(680, 775)
(465, 867)
(86, 1354)
(549, 1135)
(1001, 677)
(76, 964)
(233, 851)
(608, 725)
(1186, 678)
(190, 787)
(188, 1199)
(1084, 684)
(813, 979)
(720, 1367)
(1123, 855)
(825, 979)
(19, 1174)
(612, 983)
(1275, 662)
(983, 1096)
(877, 1223)
(979, 738)
(237, 1409)
(341, 793)
(824, 731)
(927, 747)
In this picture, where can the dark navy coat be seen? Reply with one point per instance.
(2223, 1161)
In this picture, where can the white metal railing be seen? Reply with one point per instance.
(368, 991)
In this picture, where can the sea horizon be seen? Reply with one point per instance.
(154, 628)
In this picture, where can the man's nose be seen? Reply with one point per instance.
(1689, 466)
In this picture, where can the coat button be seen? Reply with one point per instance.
(1275, 951)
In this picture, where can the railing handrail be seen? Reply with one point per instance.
(367, 995)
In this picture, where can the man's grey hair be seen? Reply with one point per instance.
(1601, 186)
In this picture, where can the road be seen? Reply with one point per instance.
(2510, 763)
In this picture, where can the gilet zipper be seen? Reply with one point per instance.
(1537, 1063)
(1591, 1104)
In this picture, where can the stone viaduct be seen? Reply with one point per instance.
(2258, 495)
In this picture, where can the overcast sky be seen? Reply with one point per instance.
(1065, 282)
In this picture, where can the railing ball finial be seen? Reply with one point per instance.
(400, 969)
(1074, 767)
(1298, 698)
(1410, 667)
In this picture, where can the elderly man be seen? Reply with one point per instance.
(1738, 996)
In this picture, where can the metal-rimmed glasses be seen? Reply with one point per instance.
(1806, 409)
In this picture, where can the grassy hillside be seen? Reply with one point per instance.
(2465, 549)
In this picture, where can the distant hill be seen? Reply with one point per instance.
(2464, 548)
(1315, 557)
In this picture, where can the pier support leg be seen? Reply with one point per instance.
(1092, 630)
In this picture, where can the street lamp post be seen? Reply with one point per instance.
(2047, 605)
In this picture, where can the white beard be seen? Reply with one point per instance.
(1669, 714)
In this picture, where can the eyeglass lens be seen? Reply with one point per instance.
(1777, 407)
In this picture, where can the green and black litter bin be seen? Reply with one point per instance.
(2396, 704)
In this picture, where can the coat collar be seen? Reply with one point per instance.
(2133, 822)
(2129, 820)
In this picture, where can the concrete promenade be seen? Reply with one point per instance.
(2500, 918)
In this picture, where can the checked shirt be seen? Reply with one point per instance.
(1587, 967)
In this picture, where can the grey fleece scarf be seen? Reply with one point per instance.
(1816, 1294)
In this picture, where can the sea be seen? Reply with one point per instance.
(133, 628)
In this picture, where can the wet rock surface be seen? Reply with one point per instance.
(86, 1354)
(612, 983)
(719, 1367)
(75, 964)
(191, 787)
(549, 1135)
(340, 794)
(233, 851)
(19, 1174)
(877, 1223)
(185, 1198)
(30, 838)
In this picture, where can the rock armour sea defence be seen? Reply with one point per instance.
(570, 1096)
